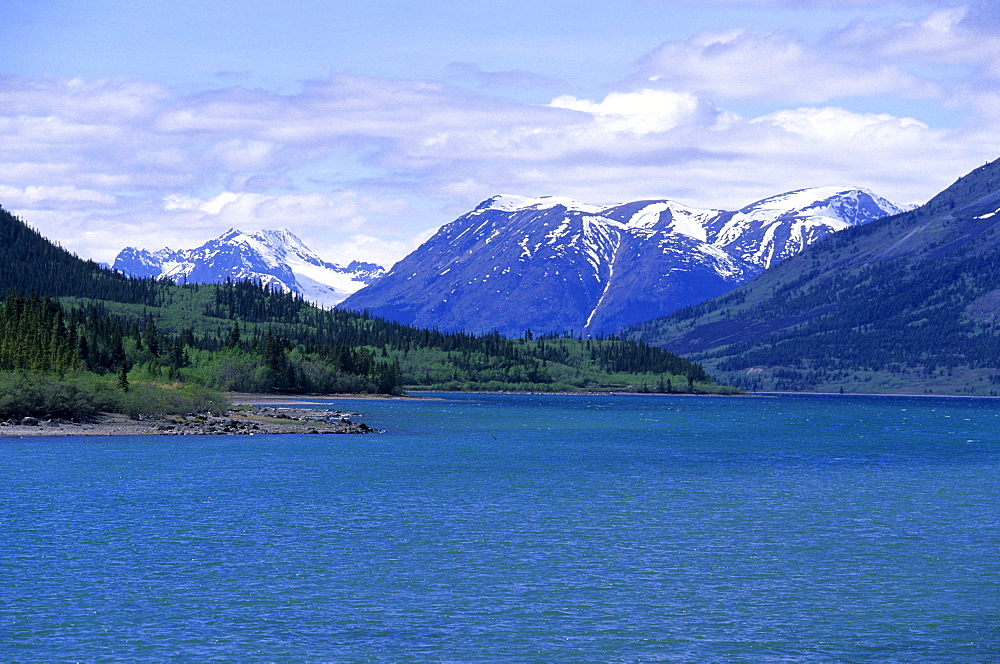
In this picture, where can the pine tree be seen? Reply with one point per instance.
(123, 377)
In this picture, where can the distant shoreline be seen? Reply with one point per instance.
(264, 399)
(876, 394)
(418, 394)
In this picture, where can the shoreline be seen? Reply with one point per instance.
(263, 414)
(416, 394)
(247, 421)
(251, 414)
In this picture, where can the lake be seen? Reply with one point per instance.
(528, 528)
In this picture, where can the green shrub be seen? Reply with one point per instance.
(83, 394)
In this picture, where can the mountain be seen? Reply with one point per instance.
(909, 303)
(273, 257)
(517, 263)
(244, 336)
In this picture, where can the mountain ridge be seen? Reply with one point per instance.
(912, 299)
(275, 257)
(554, 264)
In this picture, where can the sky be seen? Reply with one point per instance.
(364, 126)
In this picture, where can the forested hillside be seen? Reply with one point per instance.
(243, 336)
(910, 303)
(30, 263)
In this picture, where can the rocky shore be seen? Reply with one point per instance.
(249, 420)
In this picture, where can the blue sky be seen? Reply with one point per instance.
(364, 126)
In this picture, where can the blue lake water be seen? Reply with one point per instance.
(486, 528)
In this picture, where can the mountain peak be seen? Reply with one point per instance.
(909, 303)
(556, 264)
(819, 197)
(272, 256)
(516, 203)
(231, 234)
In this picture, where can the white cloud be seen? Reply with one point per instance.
(519, 79)
(834, 125)
(384, 251)
(642, 112)
(744, 65)
(340, 212)
(54, 198)
(80, 101)
(962, 35)
(367, 165)
(238, 155)
(339, 226)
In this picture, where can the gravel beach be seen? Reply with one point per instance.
(245, 420)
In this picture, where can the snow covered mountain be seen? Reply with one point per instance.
(274, 257)
(552, 264)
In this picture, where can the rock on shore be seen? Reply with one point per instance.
(240, 421)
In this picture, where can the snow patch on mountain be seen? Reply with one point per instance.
(515, 203)
(556, 264)
(275, 257)
(775, 228)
